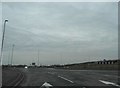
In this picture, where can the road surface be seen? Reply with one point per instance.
(61, 77)
(8, 75)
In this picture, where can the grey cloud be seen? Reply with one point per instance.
(77, 30)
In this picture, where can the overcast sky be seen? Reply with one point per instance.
(61, 32)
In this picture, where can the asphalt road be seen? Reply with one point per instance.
(8, 76)
(61, 77)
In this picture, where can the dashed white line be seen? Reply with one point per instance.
(62, 77)
(66, 79)
(112, 76)
(109, 83)
(51, 73)
(106, 75)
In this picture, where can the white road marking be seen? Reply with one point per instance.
(112, 76)
(46, 85)
(51, 73)
(66, 79)
(106, 75)
(109, 83)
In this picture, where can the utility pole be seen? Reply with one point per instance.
(12, 54)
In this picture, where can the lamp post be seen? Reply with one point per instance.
(3, 35)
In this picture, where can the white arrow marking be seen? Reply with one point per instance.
(109, 83)
(46, 85)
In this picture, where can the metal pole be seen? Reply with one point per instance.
(3, 35)
(61, 58)
(12, 54)
(38, 57)
(9, 58)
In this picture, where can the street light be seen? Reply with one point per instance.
(3, 35)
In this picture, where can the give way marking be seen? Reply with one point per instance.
(46, 85)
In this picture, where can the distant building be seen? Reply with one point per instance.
(108, 62)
